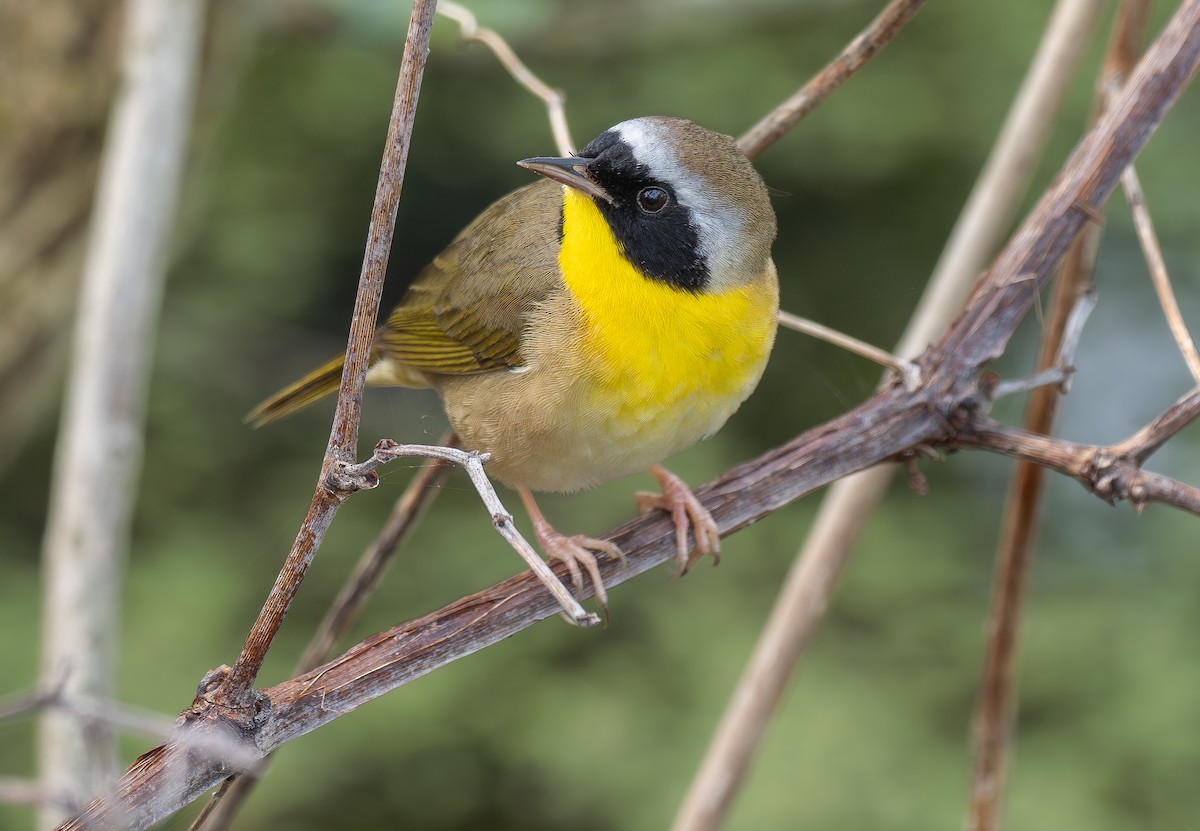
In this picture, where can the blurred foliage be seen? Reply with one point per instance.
(601, 730)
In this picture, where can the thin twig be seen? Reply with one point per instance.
(1053, 377)
(907, 370)
(552, 98)
(472, 461)
(889, 423)
(811, 581)
(361, 584)
(343, 439)
(1085, 303)
(1108, 472)
(22, 704)
(115, 716)
(857, 52)
(99, 451)
(87, 710)
(1158, 270)
(1141, 446)
(224, 805)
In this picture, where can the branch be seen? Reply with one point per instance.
(1087, 179)
(909, 372)
(355, 477)
(891, 422)
(343, 438)
(1158, 270)
(224, 805)
(1070, 305)
(860, 50)
(552, 98)
(1140, 446)
(409, 509)
(810, 583)
(1107, 472)
(99, 450)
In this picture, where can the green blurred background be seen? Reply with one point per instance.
(602, 729)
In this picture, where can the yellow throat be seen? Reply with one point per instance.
(654, 346)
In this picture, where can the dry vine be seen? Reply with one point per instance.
(844, 511)
(948, 408)
(996, 708)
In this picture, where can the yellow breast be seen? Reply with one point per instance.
(663, 363)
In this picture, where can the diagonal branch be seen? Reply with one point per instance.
(343, 438)
(811, 580)
(891, 422)
(869, 41)
(554, 100)
(99, 452)
(1140, 446)
(1158, 270)
(1070, 303)
(1108, 472)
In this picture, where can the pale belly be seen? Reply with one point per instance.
(581, 415)
(553, 437)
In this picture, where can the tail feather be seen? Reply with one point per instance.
(311, 388)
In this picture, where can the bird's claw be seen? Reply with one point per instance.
(687, 514)
(576, 553)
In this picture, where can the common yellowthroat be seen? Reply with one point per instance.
(593, 323)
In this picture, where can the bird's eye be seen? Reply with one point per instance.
(652, 199)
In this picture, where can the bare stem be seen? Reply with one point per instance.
(552, 98)
(907, 370)
(1105, 471)
(361, 584)
(472, 462)
(1158, 270)
(809, 587)
(343, 437)
(858, 51)
(1140, 446)
(996, 707)
(99, 452)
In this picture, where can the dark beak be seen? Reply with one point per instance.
(571, 171)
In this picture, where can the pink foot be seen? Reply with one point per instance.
(575, 551)
(687, 513)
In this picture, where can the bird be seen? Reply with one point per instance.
(591, 324)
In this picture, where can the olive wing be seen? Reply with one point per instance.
(467, 311)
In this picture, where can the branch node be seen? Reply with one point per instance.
(345, 478)
(211, 682)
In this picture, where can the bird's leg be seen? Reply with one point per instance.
(687, 513)
(575, 551)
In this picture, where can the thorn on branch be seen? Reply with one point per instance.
(916, 478)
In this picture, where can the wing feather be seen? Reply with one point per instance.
(467, 310)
